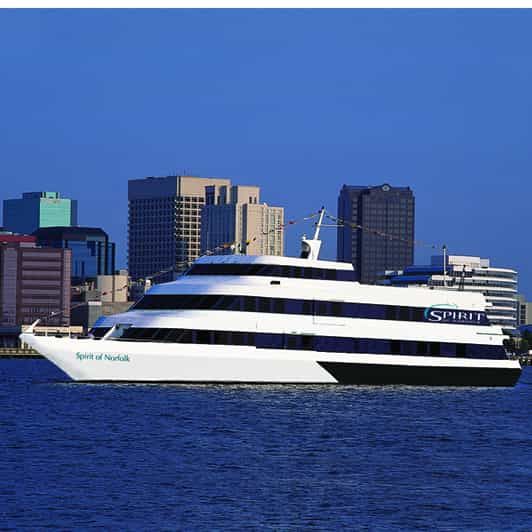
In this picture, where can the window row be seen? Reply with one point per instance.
(272, 270)
(328, 344)
(339, 309)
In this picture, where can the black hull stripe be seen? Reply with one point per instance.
(354, 373)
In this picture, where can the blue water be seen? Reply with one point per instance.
(138, 457)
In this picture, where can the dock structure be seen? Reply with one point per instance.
(18, 352)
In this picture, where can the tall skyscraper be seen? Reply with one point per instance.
(92, 253)
(39, 209)
(386, 240)
(240, 219)
(165, 222)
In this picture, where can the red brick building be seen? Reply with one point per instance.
(34, 282)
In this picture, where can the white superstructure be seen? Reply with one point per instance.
(289, 320)
(466, 273)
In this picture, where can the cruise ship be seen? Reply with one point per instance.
(271, 319)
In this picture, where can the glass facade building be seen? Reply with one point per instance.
(377, 232)
(39, 209)
(92, 253)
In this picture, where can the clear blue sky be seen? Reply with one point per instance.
(298, 102)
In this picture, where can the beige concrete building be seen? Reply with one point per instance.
(236, 222)
(107, 295)
(113, 288)
(165, 222)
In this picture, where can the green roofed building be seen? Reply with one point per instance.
(39, 209)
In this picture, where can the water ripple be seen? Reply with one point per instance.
(201, 457)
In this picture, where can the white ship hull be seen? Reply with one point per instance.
(245, 319)
(91, 360)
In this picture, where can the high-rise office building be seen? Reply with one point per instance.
(92, 253)
(378, 233)
(34, 282)
(240, 220)
(39, 209)
(165, 222)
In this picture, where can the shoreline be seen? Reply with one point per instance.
(16, 352)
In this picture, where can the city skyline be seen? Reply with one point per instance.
(205, 191)
(429, 100)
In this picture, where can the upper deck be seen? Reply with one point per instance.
(272, 266)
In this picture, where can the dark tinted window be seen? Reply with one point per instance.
(390, 313)
(264, 304)
(249, 304)
(185, 337)
(417, 314)
(460, 350)
(404, 313)
(330, 275)
(98, 332)
(278, 306)
(238, 338)
(319, 343)
(421, 348)
(203, 337)
(395, 347)
(160, 334)
(172, 335)
(292, 342)
(272, 270)
(222, 337)
(322, 308)
(282, 306)
(307, 342)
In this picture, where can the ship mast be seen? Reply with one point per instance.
(318, 224)
(310, 247)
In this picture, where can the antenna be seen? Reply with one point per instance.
(310, 247)
(318, 224)
(444, 265)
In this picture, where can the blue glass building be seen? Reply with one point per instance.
(39, 209)
(92, 253)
